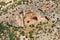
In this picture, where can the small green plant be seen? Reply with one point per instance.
(30, 34)
(22, 33)
(19, 2)
(38, 26)
(53, 25)
(50, 31)
(45, 22)
(53, 21)
(2, 3)
(32, 25)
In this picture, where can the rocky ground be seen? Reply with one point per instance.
(30, 20)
